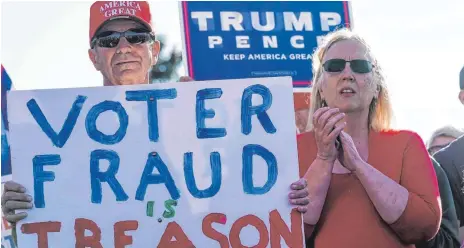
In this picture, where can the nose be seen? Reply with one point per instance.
(124, 46)
(347, 73)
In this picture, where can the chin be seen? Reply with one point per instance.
(132, 79)
(348, 108)
(132, 82)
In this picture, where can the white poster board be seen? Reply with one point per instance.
(109, 166)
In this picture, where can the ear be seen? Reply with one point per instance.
(155, 52)
(461, 96)
(94, 57)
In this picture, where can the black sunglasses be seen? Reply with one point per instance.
(110, 39)
(357, 65)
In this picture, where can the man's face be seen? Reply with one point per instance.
(126, 63)
(440, 142)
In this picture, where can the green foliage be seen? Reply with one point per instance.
(169, 61)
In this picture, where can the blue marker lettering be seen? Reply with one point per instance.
(164, 176)
(41, 176)
(202, 114)
(91, 122)
(216, 176)
(247, 171)
(58, 140)
(109, 176)
(151, 97)
(248, 110)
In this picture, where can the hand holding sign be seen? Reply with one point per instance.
(299, 195)
(185, 79)
(14, 198)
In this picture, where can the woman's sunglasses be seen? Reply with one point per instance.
(110, 39)
(357, 65)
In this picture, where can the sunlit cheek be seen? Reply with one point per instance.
(327, 78)
(368, 84)
(367, 87)
(329, 85)
(145, 55)
(106, 59)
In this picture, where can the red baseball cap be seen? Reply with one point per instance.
(104, 11)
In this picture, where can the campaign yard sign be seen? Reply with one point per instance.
(242, 39)
(198, 164)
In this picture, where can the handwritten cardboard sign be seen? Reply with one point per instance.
(198, 164)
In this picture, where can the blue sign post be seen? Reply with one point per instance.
(6, 86)
(230, 40)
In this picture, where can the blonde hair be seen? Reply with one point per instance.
(380, 110)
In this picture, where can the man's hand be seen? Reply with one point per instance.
(15, 198)
(185, 79)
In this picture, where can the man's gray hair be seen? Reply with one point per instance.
(448, 131)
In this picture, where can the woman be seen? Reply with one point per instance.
(369, 186)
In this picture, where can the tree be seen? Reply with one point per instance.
(168, 63)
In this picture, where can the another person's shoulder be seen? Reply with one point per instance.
(454, 150)
(451, 158)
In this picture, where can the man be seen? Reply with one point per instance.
(442, 137)
(123, 48)
(123, 61)
(451, 159)
(448, 234)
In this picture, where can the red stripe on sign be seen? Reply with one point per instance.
(302, 83)
(187, 40)
(347, 14)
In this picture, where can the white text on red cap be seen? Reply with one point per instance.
(120, 7)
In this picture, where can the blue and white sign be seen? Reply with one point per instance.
(6, 86)
(230, 40)
(7, 239)
(158, 165)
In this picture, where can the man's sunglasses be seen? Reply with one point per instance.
(110, 39)
(434, 149)
(357, 65)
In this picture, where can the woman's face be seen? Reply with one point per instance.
(348, 85)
